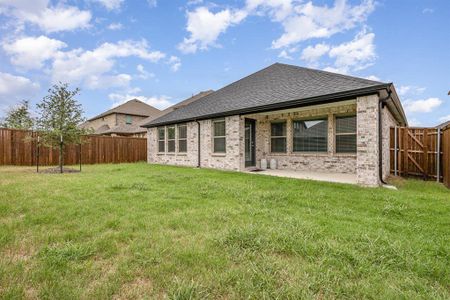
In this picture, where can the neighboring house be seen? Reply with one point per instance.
(444, 124)
(123, 120)
(304, 119)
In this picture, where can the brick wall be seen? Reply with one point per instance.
(329, 161)
(387, 122)
(231, 160)
(367, 141)
(364, 163)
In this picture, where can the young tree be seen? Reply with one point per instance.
(18, 117)
(59, 118)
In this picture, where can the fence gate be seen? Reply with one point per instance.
(414, 152)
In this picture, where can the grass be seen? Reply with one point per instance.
(142, 231)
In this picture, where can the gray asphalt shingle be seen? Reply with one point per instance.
(275, 84)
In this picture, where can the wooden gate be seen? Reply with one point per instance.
(414, 152)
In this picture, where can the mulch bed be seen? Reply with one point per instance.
(57, 170)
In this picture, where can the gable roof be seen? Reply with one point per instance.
(132, 107)
(187, 101)
(444, 124)
(276, 86)
(175, 107)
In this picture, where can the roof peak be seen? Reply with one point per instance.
(330, 73)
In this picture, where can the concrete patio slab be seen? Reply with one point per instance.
(312, 175)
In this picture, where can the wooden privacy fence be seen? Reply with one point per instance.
(19, 147)
(421, 152)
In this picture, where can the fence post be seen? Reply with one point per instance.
(425, 153)
(438, 155)
(395, 150)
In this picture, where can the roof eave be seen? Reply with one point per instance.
(340, 96)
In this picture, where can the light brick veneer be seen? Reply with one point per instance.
(364, 163)
(367, 140)
(231, 160)
(327, 161)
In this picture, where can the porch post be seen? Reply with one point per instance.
(367, 141)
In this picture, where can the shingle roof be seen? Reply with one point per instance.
(187, 101)
(174, 107)
(132, 107)
(276, 85)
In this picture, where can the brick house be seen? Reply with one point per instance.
(123, 120)
(307, 120)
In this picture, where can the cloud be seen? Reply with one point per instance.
(355, 55)
(143, 74)
(102, 81)
(410, 90)
(413, 122)
(278, 10)
(310, 21)
(115, 26)
(47, 18)
(373, 77)
(351, 56)
(152, 3)
(428, 11)
(300, 21)
(160, 102)
(14, 88)
(313, 53)
(92, 67)
(284, 54)
(32, 52)
(175, 63)
(205, 27)
(110, 4)
(422, 106)
(444, 118)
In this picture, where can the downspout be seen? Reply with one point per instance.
(381, 105)
(198, 146)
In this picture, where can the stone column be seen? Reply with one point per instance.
(367, 172)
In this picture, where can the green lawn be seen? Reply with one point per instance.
(141, 231)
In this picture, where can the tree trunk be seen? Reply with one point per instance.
(61, 157)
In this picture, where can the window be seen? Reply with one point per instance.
(219, 139)
(310, 135)
(161, 139)
(171, 139)
(346, 134)
(182, 138)
(278, 137)
(128, 119)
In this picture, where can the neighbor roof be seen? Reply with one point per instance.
(132, 107)
(187, 101)
(174, 107)
(276, 86)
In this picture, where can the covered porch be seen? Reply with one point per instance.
(313, 142)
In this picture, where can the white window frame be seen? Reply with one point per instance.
(170, 140)
(214, 137)
(161, 140)
(279, 136)
(181, 139)
(336, 134)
